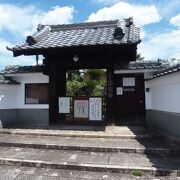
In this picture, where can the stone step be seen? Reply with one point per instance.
(91, 167)
(109, 132)
(152, 151)
(90, 161)
(146, 146)
(32, 173)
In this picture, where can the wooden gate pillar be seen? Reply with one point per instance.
(52, 96)
(110, 96)
(57, 88)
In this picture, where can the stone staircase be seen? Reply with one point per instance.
(115, 152)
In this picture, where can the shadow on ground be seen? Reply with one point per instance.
(161, 152)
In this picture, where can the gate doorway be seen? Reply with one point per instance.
(86, 90)
(129, 99)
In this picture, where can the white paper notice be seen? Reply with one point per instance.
(95, 109)
(64, 105)
(119, 91)
(81, 109)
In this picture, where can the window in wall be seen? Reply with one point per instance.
(36, 93)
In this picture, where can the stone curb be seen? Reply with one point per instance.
(152, 151)
(90, 167)
(84, 135)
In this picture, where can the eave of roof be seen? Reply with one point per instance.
(67, 49)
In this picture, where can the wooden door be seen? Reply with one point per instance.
(129, 99)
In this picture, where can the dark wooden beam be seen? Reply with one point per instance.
(52, 96)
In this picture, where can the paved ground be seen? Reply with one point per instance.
(27, 173)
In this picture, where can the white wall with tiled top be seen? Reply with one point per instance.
(164, 94)
(13, 96)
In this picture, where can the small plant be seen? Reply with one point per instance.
(137, 173)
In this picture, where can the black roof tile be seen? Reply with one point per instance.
(165, 71)
(82, 34)
(161, 69)
(7, 80)
(146, 65)
(22, 69)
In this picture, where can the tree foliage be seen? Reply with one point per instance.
(95, 74)
(91, 83)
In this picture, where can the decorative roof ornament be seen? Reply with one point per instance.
(129, 21)
(119, 31)
(42, 32)
(40, 27)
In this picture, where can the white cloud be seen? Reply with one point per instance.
(165, 45)
(143, 14)
(58, 15)
(175, 20)
(23, 19)
(6, 57)
(15, 18)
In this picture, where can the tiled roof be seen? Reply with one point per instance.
(133, 65)
(107, 33)
(22, 69)
(7, 80)
(160, 69)
(142, 65)
(165, 71)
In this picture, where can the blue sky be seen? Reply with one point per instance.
(159, 21)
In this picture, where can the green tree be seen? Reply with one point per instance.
(139, 57)
(73, 75)
(95, 74)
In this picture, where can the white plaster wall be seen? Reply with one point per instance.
(8, 94)
(15, 94)
(147, 97)
(164, 93)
